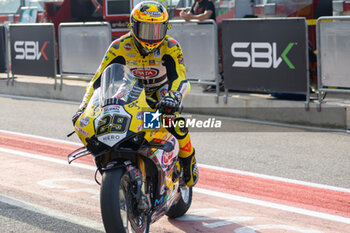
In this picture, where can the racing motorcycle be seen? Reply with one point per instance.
(142, 179)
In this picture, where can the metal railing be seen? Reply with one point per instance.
(82, 47)
(333, 45)
(199, 43)
(5, 54)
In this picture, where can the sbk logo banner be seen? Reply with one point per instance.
(29, 50)
(266, 52)
(33, 49)
(265, 55)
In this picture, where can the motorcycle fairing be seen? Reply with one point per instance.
(166, 163)
(98, 120)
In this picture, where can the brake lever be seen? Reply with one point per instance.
(70, 134)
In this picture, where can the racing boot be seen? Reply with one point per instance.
(186, 153)
(188, 161)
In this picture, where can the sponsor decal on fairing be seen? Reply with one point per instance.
(84, 122)
(111, 109)
(81, 131)
(139, 115)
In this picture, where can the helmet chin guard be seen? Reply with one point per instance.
(142, 50)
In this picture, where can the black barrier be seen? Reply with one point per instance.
(33, 49)
(265, 55)
(3, 50)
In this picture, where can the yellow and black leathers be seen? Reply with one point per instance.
(164, 66)
(160, 72)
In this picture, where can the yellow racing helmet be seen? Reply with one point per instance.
(149, 24)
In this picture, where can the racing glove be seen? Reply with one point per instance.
(79, 112)
(170, 102)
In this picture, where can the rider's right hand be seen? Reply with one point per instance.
(78, 113)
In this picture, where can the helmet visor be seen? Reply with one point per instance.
(150, 32)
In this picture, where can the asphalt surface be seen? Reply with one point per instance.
(20, 219)
(42, 193)
(312, 156)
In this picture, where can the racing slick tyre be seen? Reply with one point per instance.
(116, 204)
(181, 207)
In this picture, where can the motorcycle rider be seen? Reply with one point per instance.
(155, 59)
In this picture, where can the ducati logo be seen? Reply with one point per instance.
(30, 50)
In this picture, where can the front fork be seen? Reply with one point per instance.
(138, 179)
(145, 201)
(141, 165)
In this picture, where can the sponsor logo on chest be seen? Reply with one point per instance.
(145, 72)
(127, 46)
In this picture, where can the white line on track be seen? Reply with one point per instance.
(229, 170)
(274, 205)
(52, 213)
(203, 191)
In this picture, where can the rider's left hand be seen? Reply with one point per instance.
(170, 102)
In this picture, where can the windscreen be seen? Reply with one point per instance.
(119, 86)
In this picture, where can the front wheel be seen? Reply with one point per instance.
(118, 208)
(181, 207)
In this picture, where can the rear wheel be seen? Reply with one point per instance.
(118, 208)
(181, 207)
